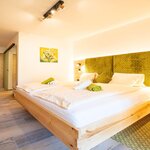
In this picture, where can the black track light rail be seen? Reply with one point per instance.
(55, 7)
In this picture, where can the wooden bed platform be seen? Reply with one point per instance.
(83, 138)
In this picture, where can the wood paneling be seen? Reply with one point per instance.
(77, 69)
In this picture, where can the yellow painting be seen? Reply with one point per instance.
(48, 55)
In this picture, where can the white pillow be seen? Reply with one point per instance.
(82, 85)
(88, 76)
(128, 79)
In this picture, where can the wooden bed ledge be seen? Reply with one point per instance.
(138, 116)
(84, 138)
(98, 135)
(53, 123)
(99, 125)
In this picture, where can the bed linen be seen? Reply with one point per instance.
(67, 97)
(97, 110)
(33, 87)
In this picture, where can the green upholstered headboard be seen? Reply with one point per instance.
(133, 63)
(126, 63)
(99, 65)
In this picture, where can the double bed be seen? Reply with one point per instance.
(95, 116)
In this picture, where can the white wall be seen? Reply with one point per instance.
(30, 68)
(133, 37)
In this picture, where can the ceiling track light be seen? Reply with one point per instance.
(59, 5)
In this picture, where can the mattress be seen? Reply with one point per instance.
(96, 111)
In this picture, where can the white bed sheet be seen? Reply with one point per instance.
(67, 97)
(83, 115)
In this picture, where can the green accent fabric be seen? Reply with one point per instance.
(133, 63)
(47, 80)
(101, 65)
(104, 77)
(126, 63)
(94, 88)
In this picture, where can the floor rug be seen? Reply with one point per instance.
(137, 136)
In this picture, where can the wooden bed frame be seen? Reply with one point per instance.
(83, 138)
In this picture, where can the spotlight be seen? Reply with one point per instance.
(78, 64)
(53, 9)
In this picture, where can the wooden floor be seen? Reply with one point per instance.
(20, 131)
(1, 89)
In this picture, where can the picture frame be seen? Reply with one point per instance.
(48, 55)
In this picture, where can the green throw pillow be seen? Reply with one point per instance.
(104, 77)
(47, 80)
(94, 87)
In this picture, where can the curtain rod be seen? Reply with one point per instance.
(11, 46)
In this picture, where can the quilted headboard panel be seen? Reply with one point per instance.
(133, 63)
(99, 65)
(126, 63)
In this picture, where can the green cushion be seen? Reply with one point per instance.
(94, 87)
(104, 77)
(47, 80)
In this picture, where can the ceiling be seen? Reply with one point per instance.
(79, 18)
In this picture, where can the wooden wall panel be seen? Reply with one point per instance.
(77, 69)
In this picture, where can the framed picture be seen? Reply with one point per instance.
(48, 55)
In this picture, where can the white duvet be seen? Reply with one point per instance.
(120, 100)
(66, 97)
(33, 87)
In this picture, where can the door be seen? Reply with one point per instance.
(6, 71)
(10, 69)
(14, 72)
(1, 71)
